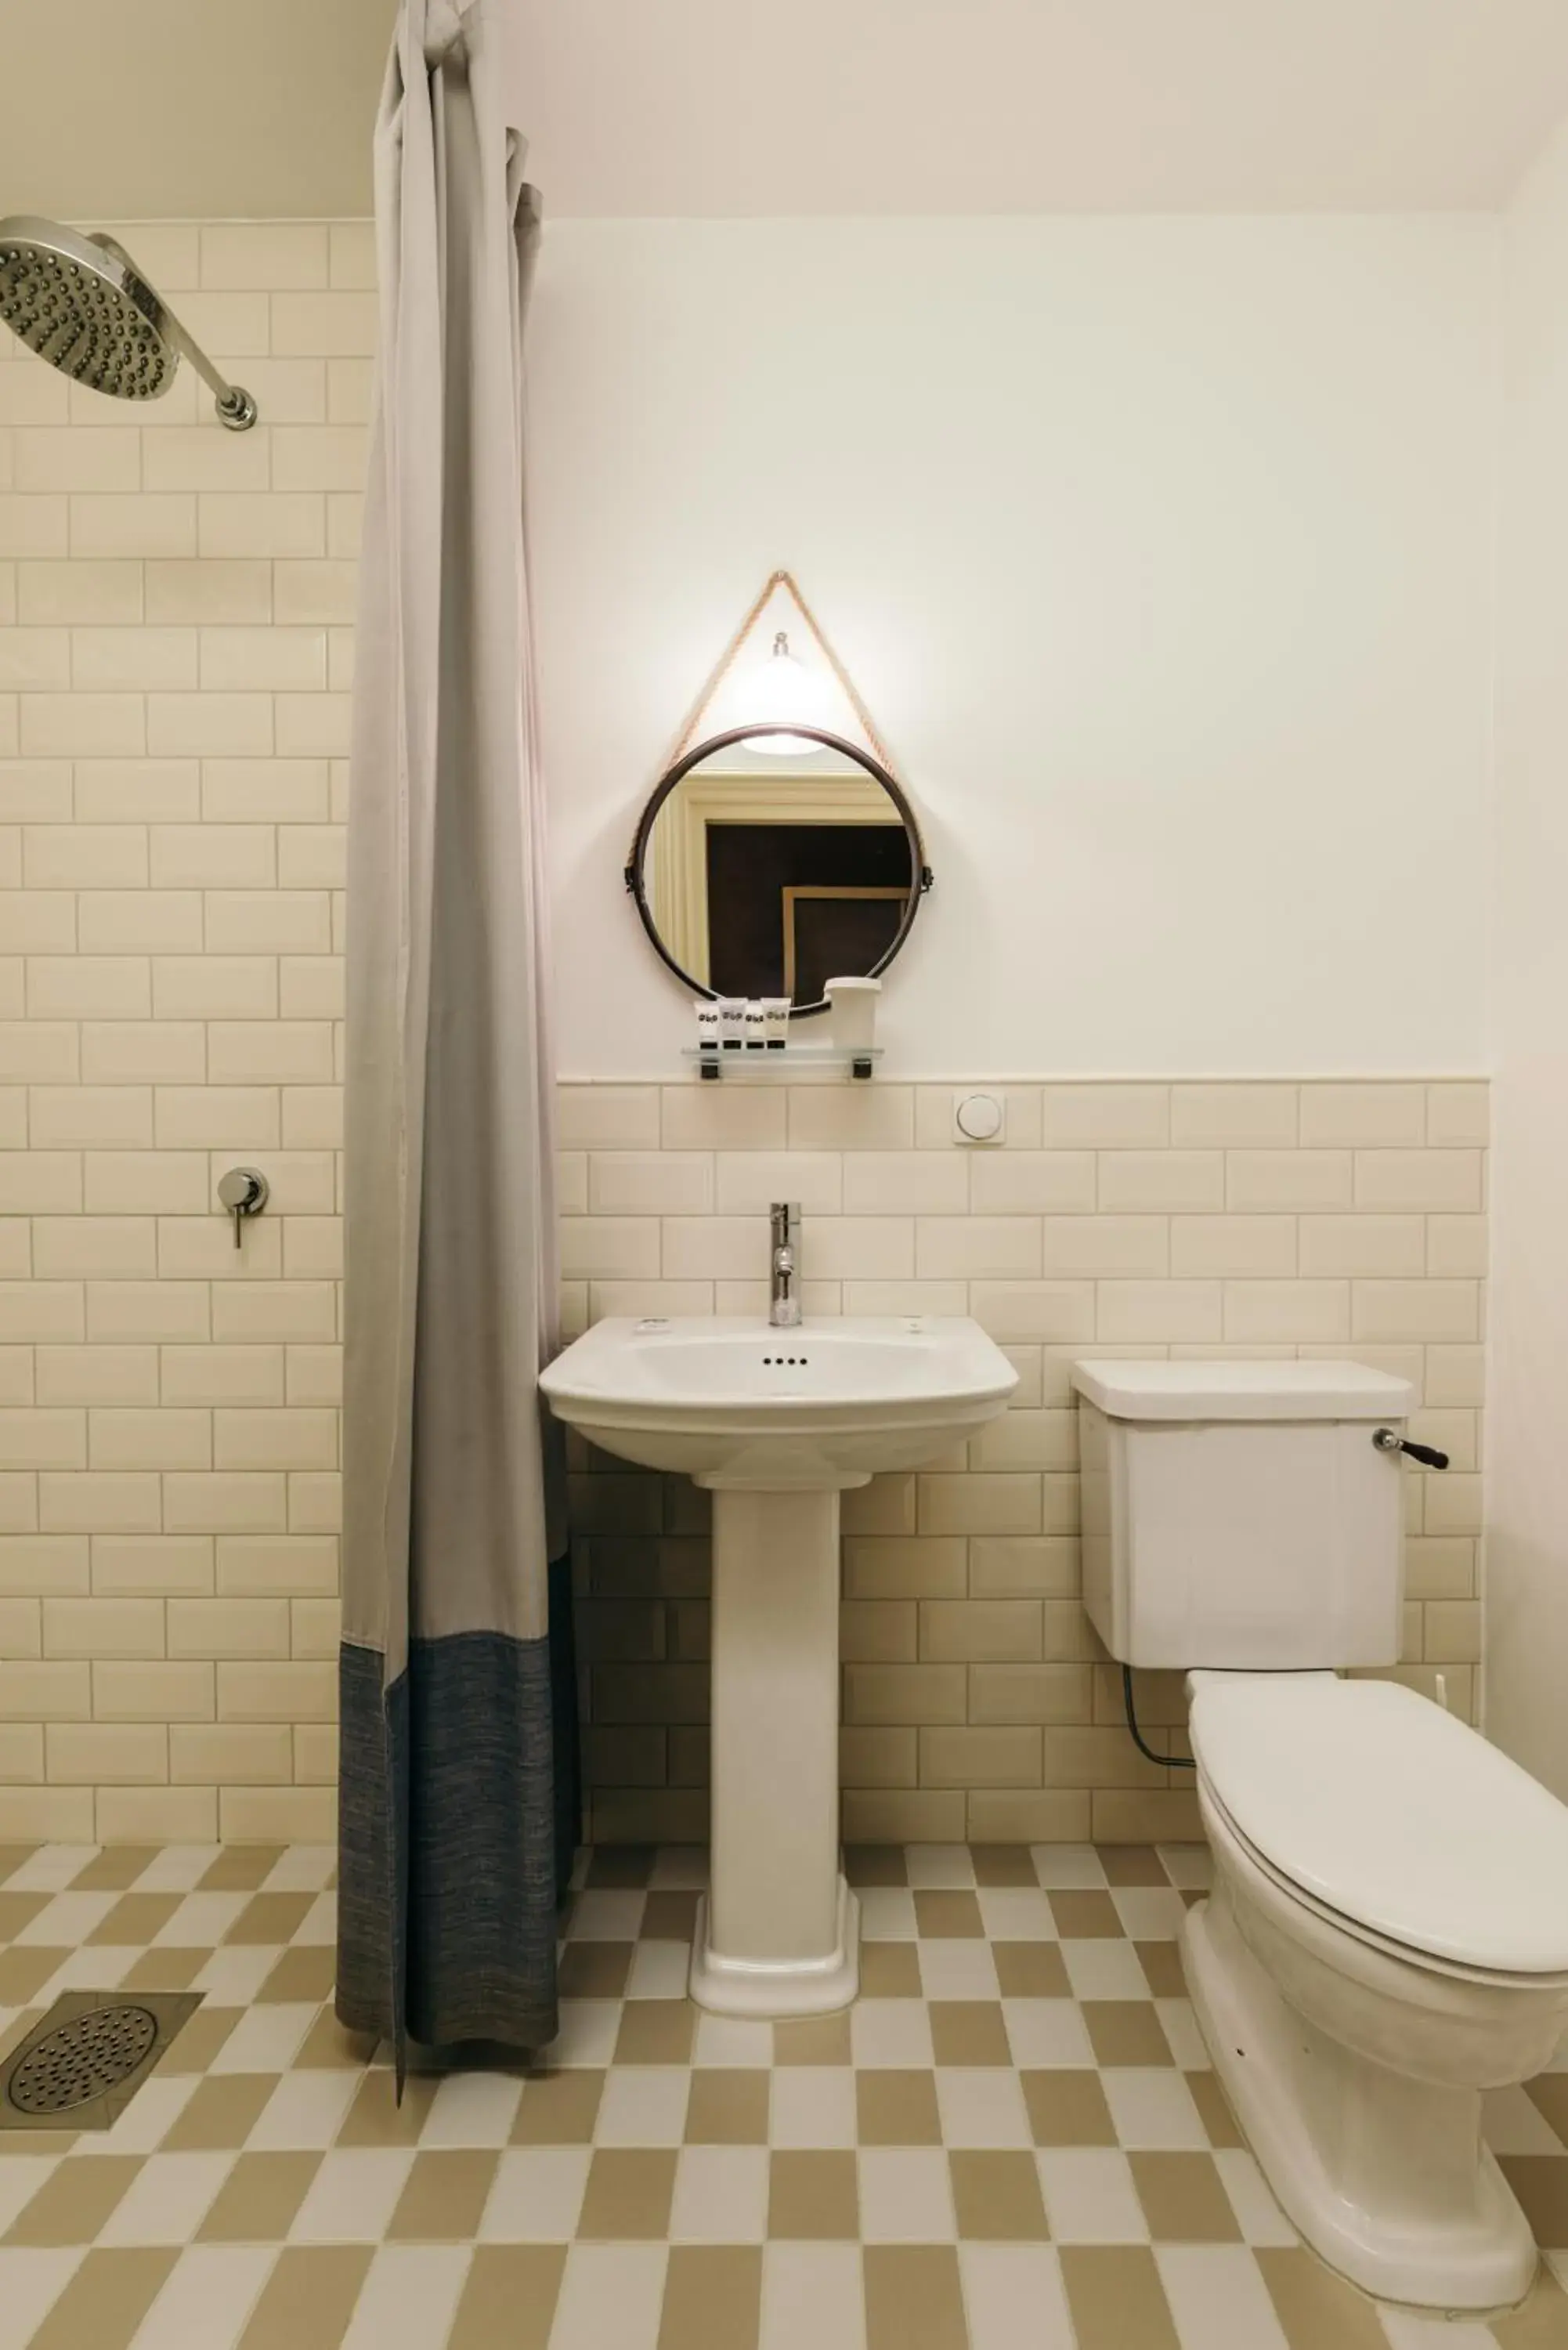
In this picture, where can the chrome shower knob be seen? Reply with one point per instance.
(244, 1191)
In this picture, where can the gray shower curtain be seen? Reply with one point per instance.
(457, 1771)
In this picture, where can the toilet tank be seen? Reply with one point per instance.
(1239, 1515)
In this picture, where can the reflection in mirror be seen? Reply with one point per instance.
(766, 875)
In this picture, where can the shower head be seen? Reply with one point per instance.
(81, 303)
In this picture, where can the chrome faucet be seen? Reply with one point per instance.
(783, 1305)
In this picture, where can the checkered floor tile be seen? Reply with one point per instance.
(1012, 2142)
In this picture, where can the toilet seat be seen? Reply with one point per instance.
(1391, 1819)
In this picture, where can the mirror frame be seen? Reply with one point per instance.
(637, 864)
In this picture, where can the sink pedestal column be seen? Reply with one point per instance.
(779, 1931)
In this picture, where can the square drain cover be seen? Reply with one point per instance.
(81, 2065)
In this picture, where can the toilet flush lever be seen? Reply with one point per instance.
(244, 1191)
(1389, 1440)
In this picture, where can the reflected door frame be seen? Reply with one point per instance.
(817, 890)
(678, 845)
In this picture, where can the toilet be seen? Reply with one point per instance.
(1387, 1932)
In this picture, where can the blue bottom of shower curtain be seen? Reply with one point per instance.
(458, 1816)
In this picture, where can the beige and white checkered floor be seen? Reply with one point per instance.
(1012, 2142)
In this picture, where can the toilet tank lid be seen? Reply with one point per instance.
(1290, 1390)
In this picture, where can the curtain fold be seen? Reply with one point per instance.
(458, 1780)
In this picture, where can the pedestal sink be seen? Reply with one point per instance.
(778, 1424)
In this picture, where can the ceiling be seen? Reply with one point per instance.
(172, 108)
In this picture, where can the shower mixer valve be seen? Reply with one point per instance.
(244, 1191)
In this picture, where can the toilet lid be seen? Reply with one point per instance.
(1388, 1810)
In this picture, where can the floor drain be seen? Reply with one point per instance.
(83, 2062)
(83, 2059)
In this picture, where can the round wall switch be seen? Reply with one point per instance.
(979, 1118)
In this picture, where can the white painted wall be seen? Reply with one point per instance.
(1527, 1541)
(1160, 550)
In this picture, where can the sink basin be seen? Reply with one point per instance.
(734, 1403)
(777, 1424)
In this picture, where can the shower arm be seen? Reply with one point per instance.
(236, 408)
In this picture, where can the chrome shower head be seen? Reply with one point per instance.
(81, 302)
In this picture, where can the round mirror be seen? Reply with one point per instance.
(773, 859)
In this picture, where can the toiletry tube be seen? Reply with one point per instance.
(776, 1021)
(731, 1022)
(706, 1010)
(756, 1024)
(852, 1008)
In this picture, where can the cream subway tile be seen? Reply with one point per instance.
(1382, 1114)
(15, 1251)
(266, 254)
(903, 1566)
(273, 1052)
(910, 1694)
(38, 922)
(353, 252)
(217, 1118)
(1145, 1816)
(1077, 1755)
(350, 385)
(247, 1314)
(1452, 1634)
(905, 1182)
(1457, 1246)
(1441, 1566)
(304, 1182)
(1368, 1244)
(1259, 1247)
(316, 1627)
(606, 1247)
(748, 1182)
(12, 990)
(34, 1439)
(39, 1692)
(607, 1117)
(140, 791)
(225, 1503)
(21, 1756)
(878, 1758)
(141, 921)
(819, 1300)
(214, 987)
(1025, 1566)
(315, 1754)
(311, 987)
(1123, 1245)
(277, 1815)
(1439, 1181)
(1034, 1311)
(56, 594)
(8, 612)
(313, 1376)
(244, 1439)
(34, 1182)
(1139, 1180)
(1453, 1504)
(1458, 1116)
(39, 1565)
(97, 1375)
(229, 1628)
(269, 659)
(1455, 1375)
(313, 1248)
(980, 1757)
(199, 726)
(13, 1119)
(151, 1438)
(10, 856)
(268, 1564)
(134, 660)
(850, 1116)
(648, 1183)
(195, 457)
(91, 1117)
(37, 1051)
(691, 1249)
(149, 1311)
(314, 1501)
(129, 1752)
(312, 857)
(269, 922)
(1280, 1181)
(47, 1814)
(155, 1815)
(1058, 1694)
(1027, 1439)
(316, 592)
(33, 526)
(1149, 1310)
(1416, 1310)
(151, 1565)
(103, 1627)
(901, 1297)
(54, 457)
(344, 524)
(32, 396)
(72, 726)
(571, 1182)
(228, 526)
(1453, 1432)
(222, 1375)
(95, 1501)
(146, 1182)
(328, 326)
(874, 1632)
(320, 457)
(980, 1630)
(884, 1506)
(94, 1248)
(1293, 1310)
(125, 1052)
(31, 1311)
(36, 660)
(1105, 1117)
(1027, 1815)
(207, 592)
(35, 791)
(277, 1692)
(88, 987)
(213, 857)
(168, 250)
(987, 1248)
(128, 525)
(697, 1117)
(1234, 1117)
(903, 1817)
(18, 1503)
(256, 1754)
(313, 725)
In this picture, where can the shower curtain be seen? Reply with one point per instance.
(458, 1795)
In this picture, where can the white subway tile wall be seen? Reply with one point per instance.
(176, 610)
(1275, 1218)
